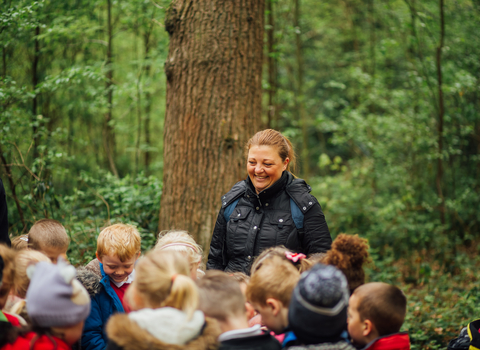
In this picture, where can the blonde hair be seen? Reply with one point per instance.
(119, 240)
(275, 278)
(23, 259)
(8, 257)
(161, 280)
(180, 241)
(20, 243)
(48, 233)
(273, 138)
(301, 265)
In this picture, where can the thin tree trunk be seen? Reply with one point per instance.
(271, 113)
(36, 58)
(213, 71)
(300, 98)
(108, 132)
(148, 104)
(441, 114)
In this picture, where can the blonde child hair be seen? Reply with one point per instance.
(274, 278)
(20, 243)
(48, 233)
(119, 240)
(300, 261)
(182, 242)
(8, 273)
(161, 280)
(23, 259)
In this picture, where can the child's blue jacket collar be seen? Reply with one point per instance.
(108, 288)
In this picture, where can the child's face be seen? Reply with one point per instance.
(356, 327)
(53, 252)
(117, 270)
(70, 334)
(274, 317)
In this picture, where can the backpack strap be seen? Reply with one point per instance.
(230, 199)
(229, 209)
(297, 215)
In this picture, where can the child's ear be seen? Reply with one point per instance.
(275, 305)
(98, 258)
(367, 328)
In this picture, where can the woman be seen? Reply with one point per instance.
(269, 208)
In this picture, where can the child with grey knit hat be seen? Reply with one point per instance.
(57, 305)
(317, 313)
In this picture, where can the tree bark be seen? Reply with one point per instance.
(213, 71)
(108, 132)
(441, 113)
(36, 58)
(271, 63)
(300, 98)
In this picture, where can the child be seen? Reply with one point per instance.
(58, 306)
(298, 260)
(221, 298)
(182, 242)
(375, 315)
(318, 309)
(7, 274)
(118, 248)
(349, 253)
(20, 243)
(270, 289)
(49, 237)
(16, 299)
(164, 300)
(243, 280)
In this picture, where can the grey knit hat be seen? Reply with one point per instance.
(55, 298)
(318, 307)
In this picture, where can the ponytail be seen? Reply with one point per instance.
(162, 280)
(183, 295)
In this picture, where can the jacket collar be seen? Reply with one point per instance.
(271, 191)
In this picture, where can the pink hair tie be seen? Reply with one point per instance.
(294, 257)
(195, 249)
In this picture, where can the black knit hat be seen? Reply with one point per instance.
(318, 307)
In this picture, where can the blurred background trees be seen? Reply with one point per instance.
(391, 154)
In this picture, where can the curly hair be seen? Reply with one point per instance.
(349, 253)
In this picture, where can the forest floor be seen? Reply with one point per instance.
(443, 296)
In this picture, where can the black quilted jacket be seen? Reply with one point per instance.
(265, 220)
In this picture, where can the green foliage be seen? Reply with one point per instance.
(106, 200)
(440, 300)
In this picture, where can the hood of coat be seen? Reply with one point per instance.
(164, 328)
(90, 280)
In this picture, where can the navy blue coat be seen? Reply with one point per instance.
(105, 303)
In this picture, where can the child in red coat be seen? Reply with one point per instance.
(57, 306)
(376, 312)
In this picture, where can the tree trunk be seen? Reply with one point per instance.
(300, 98)
(36, 58)
(213, 71)
(108, 133)
(271, 63)
(441, 114)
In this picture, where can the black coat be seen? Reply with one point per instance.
(265, 220)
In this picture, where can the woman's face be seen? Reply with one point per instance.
(264, 166)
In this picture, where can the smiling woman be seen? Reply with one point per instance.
(271, 207)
